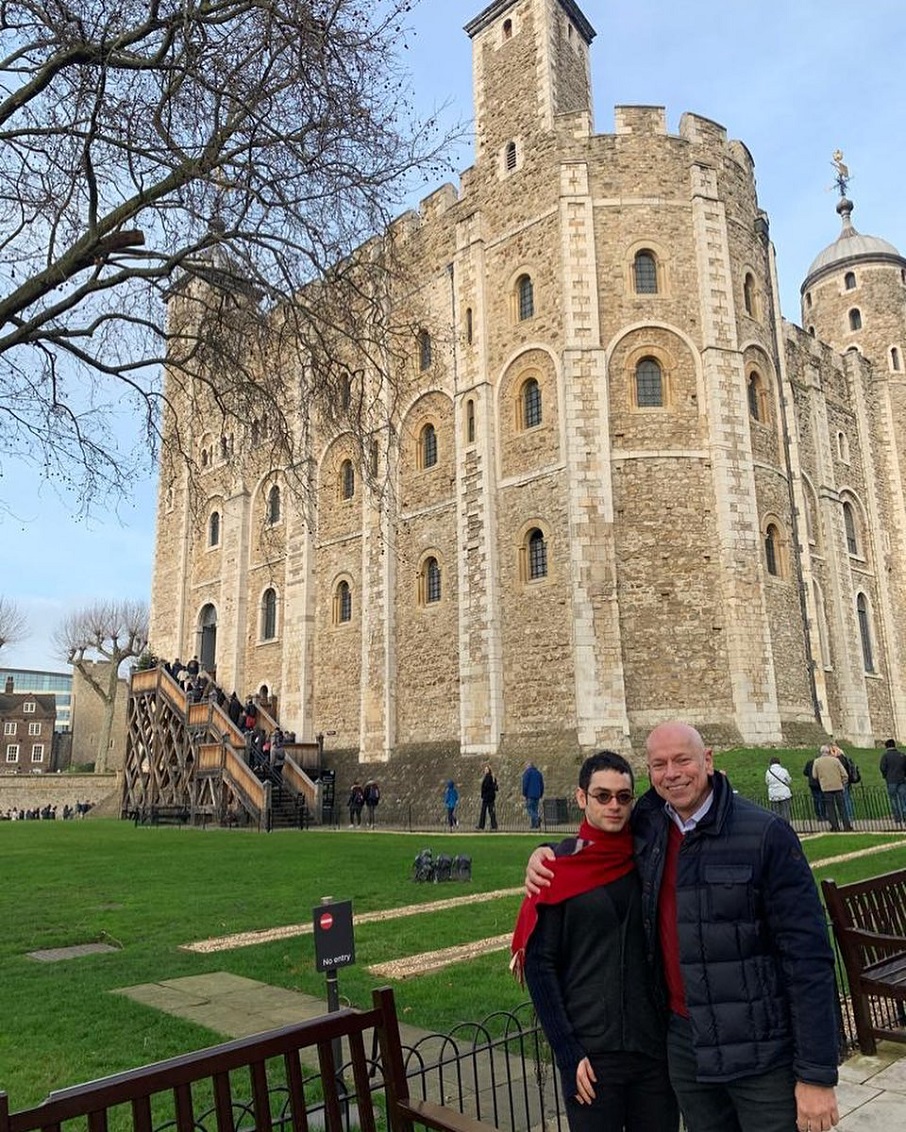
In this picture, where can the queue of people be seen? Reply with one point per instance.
(47, 812)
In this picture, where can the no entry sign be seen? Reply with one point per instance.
(334, 941)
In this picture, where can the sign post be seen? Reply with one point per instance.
(334, 948)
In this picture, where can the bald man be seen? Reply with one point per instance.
(732, 918)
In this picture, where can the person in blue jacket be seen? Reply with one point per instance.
(451, 801)
(733, 919)
(533, 792)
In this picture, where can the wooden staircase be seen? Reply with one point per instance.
(192, 756)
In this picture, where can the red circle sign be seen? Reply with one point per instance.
(326, 922)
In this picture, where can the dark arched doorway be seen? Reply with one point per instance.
(207, 631)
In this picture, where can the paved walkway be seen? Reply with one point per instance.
(871, 1095)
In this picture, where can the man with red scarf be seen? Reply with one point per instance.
(581, 946)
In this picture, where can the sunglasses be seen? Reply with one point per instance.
(602, 797)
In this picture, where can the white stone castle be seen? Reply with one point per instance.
(624, 489)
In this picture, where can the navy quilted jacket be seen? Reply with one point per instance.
(756, 962)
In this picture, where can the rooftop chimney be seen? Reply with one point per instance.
(9, 685)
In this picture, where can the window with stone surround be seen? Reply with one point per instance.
(749, 295)
(849, 281)
(863, 615)
(470, 421)
(852, 529)
(424, 350)
(37, 752)
(895, 358)
(214, 529)
(510, 156)
(772, 550)
(273, 505)
(469, 330)
(855, 319)
(843, 447)
(342, 603)
(644, 272)
(758, 398)
(12, 752)
(347, 480)
(429, 581)
(525, 298)
(821, 618)
(649, 384)
(530, 408)
(427, 447)
(533, 556)
(507, 29)
(269, 615)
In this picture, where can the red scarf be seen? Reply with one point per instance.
(602, 859)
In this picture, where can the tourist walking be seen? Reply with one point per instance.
(777, 779)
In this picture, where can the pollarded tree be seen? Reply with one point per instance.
(13, 626)
(232, 153)
(110, 632)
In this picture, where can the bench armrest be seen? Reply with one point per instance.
(441, 1118)
(875, 939)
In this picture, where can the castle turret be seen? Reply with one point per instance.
(854, 295)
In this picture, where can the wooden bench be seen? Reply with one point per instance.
(166, 815)
(261, 1083)
(869, 922)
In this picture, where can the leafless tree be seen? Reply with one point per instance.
(110, 632)
(235, 159)
(13, 626)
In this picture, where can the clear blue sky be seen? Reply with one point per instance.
(794, 80)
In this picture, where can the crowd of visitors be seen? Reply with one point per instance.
(47, 812)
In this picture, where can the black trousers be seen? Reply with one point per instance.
(765, 1102)
(632, 1094)
(835, 805)
(488, 809)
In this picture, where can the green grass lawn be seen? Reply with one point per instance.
(149, 891)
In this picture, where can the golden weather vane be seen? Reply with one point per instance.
(842, 178)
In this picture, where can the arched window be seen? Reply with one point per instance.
(748, 294)
(268, 615)
(868, 659)
(470, 421)
(342, 603)
(214, 529)
(273, 505)
(644, 270)
(536, 545)
(428, 447)
(808, 299)
(849, 281)
(772, 550)
(525, 297)
(430, 581)
(347, 480)
(755, 398)
(469, 325)
(424, 350)
(507, 29)
(811, 331)
(530, 398)
(843, 447)
(204, 457)
(894, 358)
(510, 156)
(849, 523)
(855, 319)
(649, 384)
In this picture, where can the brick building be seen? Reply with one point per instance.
(27, 722)
(622, 487)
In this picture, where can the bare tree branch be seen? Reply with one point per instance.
(229, 154)
(13, 626)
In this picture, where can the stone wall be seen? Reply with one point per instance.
(35, 791)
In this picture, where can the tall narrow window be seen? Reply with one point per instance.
(894, 358)
(470, 421)
(868, 659)
(855, 319)
(347, 480)
(469, 325)
(510, 156)
(214, 529)
(431, 580)
(428, 446)
(645, 273)
(345, 393)
(374, 454)
(754, 397)
(342, 603)
(507, 29)
(772, 550)
(849, 281)
(424, 350)
(273, 505)
(748, 294)
(268, 615)
(525, 297)
(649, 384)
(531, 403)
(849, 524)
(537, 555)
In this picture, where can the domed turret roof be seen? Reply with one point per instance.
(850, 246)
